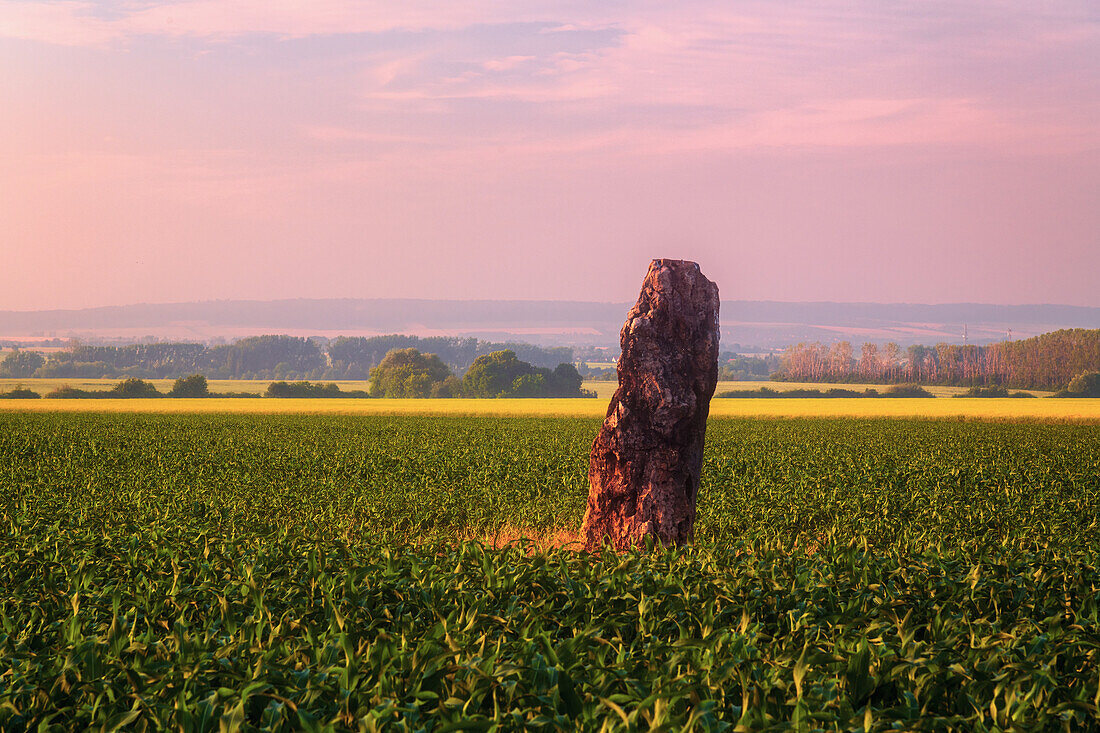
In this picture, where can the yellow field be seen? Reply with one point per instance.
(968, 408)
(965, 408)
(503, 408)
(258, 386)
(606, 389)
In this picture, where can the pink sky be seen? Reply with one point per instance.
(200, 149)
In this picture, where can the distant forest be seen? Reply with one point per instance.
(264, 357)
(1048, 362)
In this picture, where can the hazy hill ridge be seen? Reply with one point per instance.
(767, 323)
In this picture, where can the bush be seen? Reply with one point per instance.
(832, 393)
(302, 389)
(995, 390)
(19, 393)
(193, 386)
(65, 392)
(126, 389)
(1086, 384)
(837, 392)
(133, 388)
(743, 393)
(357, 394)
(907, 390)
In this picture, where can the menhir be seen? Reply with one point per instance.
(644, 467)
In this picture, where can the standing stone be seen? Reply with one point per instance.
(643, 472)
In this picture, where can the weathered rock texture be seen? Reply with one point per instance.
(643, 471)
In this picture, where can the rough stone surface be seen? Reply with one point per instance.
(644, 467)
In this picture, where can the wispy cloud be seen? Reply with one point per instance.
(82, 22)
(506, 64)
(787, 74)
(65, 23)
(429, 128)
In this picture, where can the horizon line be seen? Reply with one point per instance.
(535, 300)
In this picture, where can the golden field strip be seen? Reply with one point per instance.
(943, 406)
(257, 386)
(603, 389)
(1087, 410)
(606, 389)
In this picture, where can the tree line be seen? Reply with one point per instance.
(1049, 361)
(403, 373)
(354, 357)
(410, 373)
(261, 357)
(732, 367)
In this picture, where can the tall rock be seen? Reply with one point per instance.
(643, 471)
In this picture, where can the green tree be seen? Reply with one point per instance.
(494, 374)
(417, 384)
(21, 363)
(566, 381)
(502, 374)
(290, 356)
(529, 385)
(302, 389)
(134, 388)
(407, 373)
(449, 387)
(1085, 385)
(193, 386)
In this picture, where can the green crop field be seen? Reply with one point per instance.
(285, 572)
